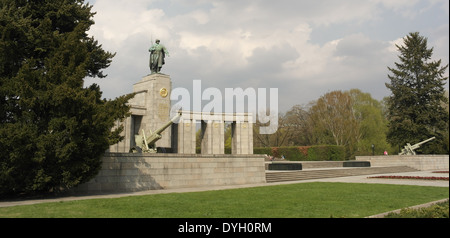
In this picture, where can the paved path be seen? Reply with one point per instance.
(418, 182)
(350, 179)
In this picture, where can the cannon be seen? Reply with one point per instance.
(147, 143)
(409, 149)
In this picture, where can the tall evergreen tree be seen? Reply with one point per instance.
(53, 130)
(417, 92)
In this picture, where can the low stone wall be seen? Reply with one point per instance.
(419, 162)
(301, 165)
(127, 172)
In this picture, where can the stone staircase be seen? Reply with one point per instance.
(319, 173)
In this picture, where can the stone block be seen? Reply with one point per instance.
(285, 166)
(356, 164)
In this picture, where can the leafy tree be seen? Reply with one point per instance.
(415, 110)
(371, 122)
(352, 119)
(53, 130)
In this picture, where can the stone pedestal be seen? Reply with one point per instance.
(153, 92)
(150, 110)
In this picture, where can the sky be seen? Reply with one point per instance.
(303, 48)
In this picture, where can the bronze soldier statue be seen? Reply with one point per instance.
(157, 54)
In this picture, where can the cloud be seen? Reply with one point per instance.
(304, 48)
(403, 7)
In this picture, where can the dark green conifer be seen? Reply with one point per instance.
(415, 111)
(53, 130)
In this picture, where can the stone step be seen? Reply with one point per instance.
(282, 176)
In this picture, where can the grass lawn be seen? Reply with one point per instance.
(302, 200)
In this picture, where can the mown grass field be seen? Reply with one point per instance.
(302, 200)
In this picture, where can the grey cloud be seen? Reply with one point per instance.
(358, 60)
(360, 46)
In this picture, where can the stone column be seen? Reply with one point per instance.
(124, 145)
(186, 130)
(213, 138)
(242, 136)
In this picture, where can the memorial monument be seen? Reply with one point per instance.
(159, 152)
(150, 106)
(150, 118)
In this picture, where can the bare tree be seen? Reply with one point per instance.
(280, 138)
(298, 120)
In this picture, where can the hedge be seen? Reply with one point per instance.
(305, 153)
(300, 153)
(227, 150)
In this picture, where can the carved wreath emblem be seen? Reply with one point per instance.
(163, 92)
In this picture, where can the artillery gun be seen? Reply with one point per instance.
(147, 143)
(409, 149)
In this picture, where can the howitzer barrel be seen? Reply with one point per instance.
(409, 149)
(175, 118)
(147, 144)
(156, 135)
(423, 142)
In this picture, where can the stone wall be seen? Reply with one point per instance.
(419, 162)
(127, 172)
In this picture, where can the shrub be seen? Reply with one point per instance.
(292, 153)
(304, 150)
(439, 210)
(305, 153)
(262, 150)
(326, 152)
